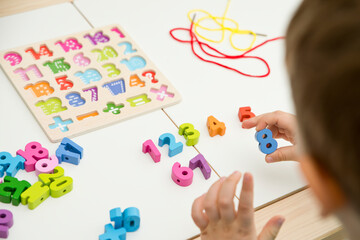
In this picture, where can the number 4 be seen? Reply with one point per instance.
(215, 127)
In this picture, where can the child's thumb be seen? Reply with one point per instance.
(281, 154)
(272, 228)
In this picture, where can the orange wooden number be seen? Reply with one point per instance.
(215, 127)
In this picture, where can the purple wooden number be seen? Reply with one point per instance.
(6, 222)
(200, 162)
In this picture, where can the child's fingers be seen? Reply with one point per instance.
(272, 228)
(197, 213)
(210, 201)
(246, 209)
(277, 118)
(226, 197)
(281, 154)
(261, 121)
(251, 122)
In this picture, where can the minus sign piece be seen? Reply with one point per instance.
(87, 115)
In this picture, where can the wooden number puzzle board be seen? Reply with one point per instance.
(81, 82)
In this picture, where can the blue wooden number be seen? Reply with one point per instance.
(267, 144)
(174, 147)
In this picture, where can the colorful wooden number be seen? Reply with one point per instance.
(69, 151)
(6, 222)
(44, 51)
(69, 44)
(134, 63)
(40, 88)
(111, 69)
(245, 113)
(50, 106)
(58, 65)
(11, 190)
(98, 37)
(65, 84)
(182, 176)
(105, 54)
(94, 93)
(90, 75)
(128, 47)
(23, 73)
(200, 162)
(116, 217)
(116, 87)
(215, 127)
(190, 133)
(35, 195)
(129, 219)
(149, 147)
(267, 144)
(58, 184)
(174, 147)
(46, 165)
(80, 60)
(115, 29)
(13, 58)
(10, 164)
(61, 186)
(136, 81)
(33, 152)
(75, 99)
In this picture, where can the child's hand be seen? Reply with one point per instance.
(282, 125)
(214, 212)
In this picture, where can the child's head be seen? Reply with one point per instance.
(323, 60)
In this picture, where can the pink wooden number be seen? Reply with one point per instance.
(46, 165)
(115, 29)
(70, 44)
(182, 176)
(149, 147)
(13, 58)
(33, 152)
(23, 72)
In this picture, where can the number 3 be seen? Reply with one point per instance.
(191, 135)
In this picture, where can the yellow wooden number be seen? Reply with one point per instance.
(190, 133)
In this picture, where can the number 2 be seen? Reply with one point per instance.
(174, 147)
(128, 47)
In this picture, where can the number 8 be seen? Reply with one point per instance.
(267, 144)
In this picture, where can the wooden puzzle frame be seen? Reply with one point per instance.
(64, 72)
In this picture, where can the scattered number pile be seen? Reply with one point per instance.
(52, 181)
(183, 176)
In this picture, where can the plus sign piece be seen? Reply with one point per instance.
(100, 73)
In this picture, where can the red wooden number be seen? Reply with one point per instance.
(44, 51)
(245, 113)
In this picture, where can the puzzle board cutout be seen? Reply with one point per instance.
(81, 82)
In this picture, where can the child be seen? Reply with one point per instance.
(322, 57)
